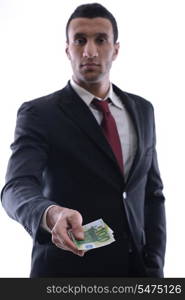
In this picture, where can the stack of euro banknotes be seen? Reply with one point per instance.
(96, 234)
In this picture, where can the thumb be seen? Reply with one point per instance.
(76, 226)
(78, 232)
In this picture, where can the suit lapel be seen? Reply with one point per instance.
(136, 115)
(75, 108)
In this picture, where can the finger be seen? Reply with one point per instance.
(61, 237)
(80, 253)
(60, 244)
(63, 247)
(75, 222)
(78, 232)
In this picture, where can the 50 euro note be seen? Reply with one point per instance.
(96, 234)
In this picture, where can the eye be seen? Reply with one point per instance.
(80, 41)
(101, 40)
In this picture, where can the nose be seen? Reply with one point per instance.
(90, 50)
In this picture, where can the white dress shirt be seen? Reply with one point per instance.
(124, 125)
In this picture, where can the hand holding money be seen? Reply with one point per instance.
(69, 234)
(96, 234)
(60, 220)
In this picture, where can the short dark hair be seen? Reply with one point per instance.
(93, 10)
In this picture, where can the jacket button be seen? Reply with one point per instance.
(124, 195)
(130, 250)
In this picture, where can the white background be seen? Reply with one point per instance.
(151, 63)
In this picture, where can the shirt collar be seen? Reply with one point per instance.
(87, 97)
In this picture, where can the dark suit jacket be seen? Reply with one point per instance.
(60, 156)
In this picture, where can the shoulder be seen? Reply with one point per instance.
(44, 103)
(133, 98)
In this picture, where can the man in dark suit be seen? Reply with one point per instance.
(73, 162)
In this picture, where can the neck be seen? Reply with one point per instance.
(99, 89)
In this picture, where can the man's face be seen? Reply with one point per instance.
(91, 49)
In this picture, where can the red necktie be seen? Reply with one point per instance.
(109, 128)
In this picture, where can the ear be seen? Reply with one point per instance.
(67, 51)
(116, 50)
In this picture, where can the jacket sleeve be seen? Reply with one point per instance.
(155, 220)
(22, 195)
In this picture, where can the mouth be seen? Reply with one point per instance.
(90, 65)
